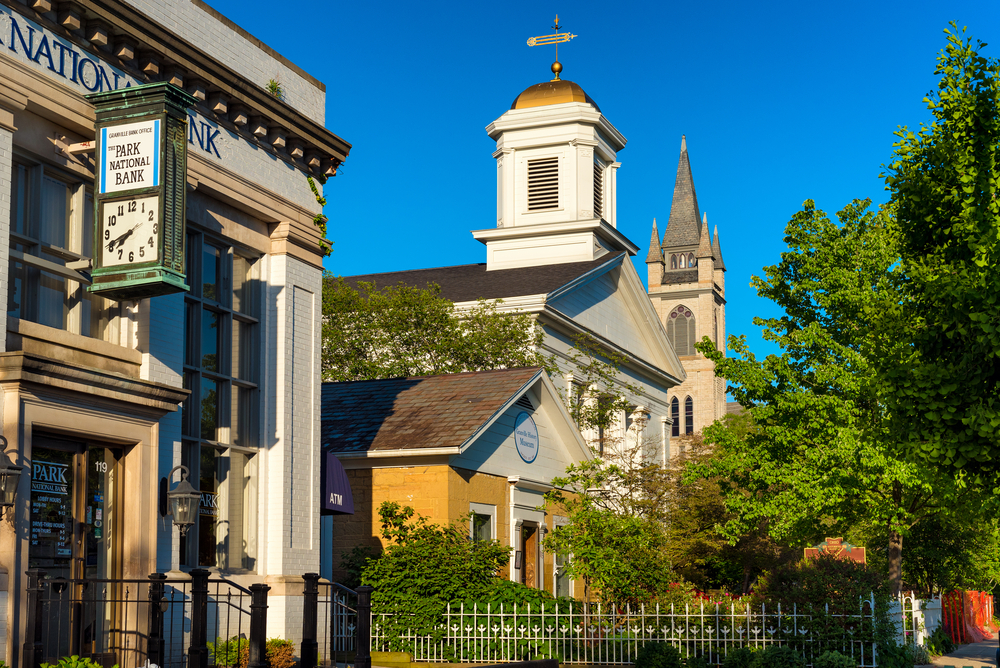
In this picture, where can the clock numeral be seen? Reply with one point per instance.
(113, 219)
(155, 227)
(142, 251)
(151, 214)
(143, 207)
(151, 242)
(131, 206)
(107, 234)
(131, 256)
(119, 254)
(121, 210)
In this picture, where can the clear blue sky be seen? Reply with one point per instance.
(780, 102)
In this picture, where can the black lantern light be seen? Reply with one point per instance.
(182, 499)
(10, 475)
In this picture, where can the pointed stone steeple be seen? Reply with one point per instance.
(705, 245)
(654, 254)
(717, 250)
(682, 228)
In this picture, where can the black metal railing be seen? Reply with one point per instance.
(337, 624)
(173, 623)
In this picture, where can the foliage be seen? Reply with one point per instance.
(939, 642)
(372, 332)
(695, 662)
(778, 656)
(601, 398)
(275, 89)
(280, 653)
(817, 457)
(353, 564)
(833, 659)
(741, 657)
(319, 220)
(227, 652)
(941, 358)
(74, 661)
(658, 655)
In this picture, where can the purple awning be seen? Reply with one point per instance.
(334, 487)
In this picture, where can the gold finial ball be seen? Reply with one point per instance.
(556, 68)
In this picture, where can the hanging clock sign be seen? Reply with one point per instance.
(140, 191)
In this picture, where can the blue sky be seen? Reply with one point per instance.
(780, 102)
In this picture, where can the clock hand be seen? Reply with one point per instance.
(118, 241)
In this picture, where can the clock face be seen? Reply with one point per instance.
(131, 231)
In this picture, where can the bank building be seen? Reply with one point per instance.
(106, 388)
(554, 252)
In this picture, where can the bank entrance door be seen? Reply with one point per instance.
(76, 539)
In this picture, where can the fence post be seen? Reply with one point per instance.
(310, 598)
(198, 651)
(154, 647)
(31, 653)
(363, 644)
(258, 626)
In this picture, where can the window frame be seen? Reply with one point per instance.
(483, 510)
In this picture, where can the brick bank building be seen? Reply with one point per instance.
(100, 399)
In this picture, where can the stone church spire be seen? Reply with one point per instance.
(717, 250)
(682, 227)
(654, 254)
(705, 244)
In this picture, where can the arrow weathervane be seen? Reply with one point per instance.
(557, 39)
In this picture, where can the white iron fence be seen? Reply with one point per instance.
(590, 633)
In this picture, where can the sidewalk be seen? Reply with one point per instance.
(976, 654)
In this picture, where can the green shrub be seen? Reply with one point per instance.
(696, 662)
(739, 658)
(778, 656)
(832, 659)
(73, 662)
(658, 655)
(280, 653)
(227, 652)
(939, 642)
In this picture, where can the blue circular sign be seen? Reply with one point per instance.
(526, 437)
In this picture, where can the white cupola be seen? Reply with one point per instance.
(556, 180)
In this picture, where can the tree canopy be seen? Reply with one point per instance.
(943, 385)
(394, 331)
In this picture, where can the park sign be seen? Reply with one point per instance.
(139, 191)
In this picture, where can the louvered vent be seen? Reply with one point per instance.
(598, 189)
(543, 184)
(524, 402)
(681, 330)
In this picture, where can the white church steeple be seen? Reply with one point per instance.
(556, 180)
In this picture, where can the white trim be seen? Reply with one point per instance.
(484, 509)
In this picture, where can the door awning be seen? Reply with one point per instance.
(335, 487)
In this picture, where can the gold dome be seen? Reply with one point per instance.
(552, 92)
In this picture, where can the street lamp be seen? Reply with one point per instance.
(182, 499)
(10, 475)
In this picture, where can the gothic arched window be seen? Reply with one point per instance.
(675, 415)
(680, 330)
(673, 261)
(689, 416)
(692, 261)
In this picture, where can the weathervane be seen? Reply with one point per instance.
(556, 39)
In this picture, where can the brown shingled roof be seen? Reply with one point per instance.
(415, 413)
(469, 282)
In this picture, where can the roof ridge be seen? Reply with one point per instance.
(533, 369)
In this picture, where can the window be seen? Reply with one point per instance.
(680, 330)
(692, 260)
(543, 184)
(689, 416)
(481, 524)
(52, 225)
(598, 189)
(673, 261)
(675, 415)
(220, 417)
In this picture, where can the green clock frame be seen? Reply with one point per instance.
(163, 272)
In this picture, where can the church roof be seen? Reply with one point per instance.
(717, 250)
(557, 91)
(469, 282)
(682, 228)
(654, 246)
(420, 412)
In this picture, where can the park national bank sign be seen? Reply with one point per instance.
(58, 58)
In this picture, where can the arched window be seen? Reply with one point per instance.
(673, 261)
(692, 260)
(689, 416)
(680, 330)
(675, 415)
(681, 261)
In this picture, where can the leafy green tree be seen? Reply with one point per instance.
(943, 385)
(395, 331)
(818, 457)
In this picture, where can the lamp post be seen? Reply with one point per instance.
(183, 500)
(10, 475)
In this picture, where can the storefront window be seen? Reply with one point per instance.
(221, 415)
(52, 224)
